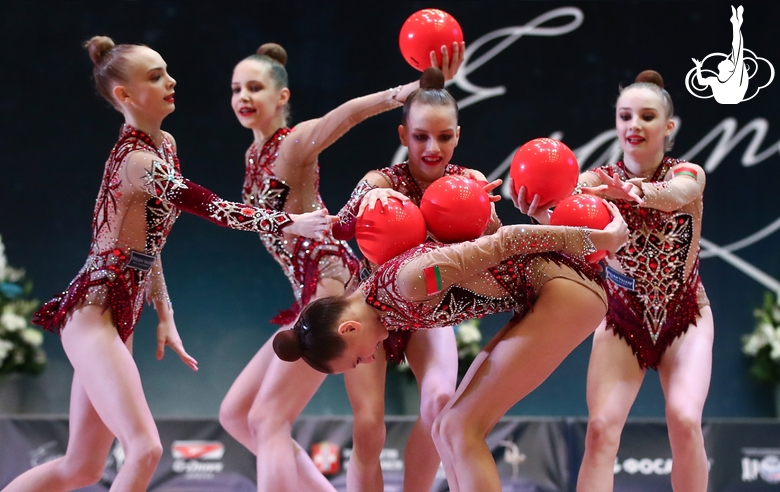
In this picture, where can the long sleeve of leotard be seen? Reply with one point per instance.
(162, 181)
(157, 290)
(456, 263)
(344, 228)
(588, 179)
(311, 137)
(686, 185)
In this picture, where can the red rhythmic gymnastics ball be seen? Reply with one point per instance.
(456, 208)
(545, 167)
(386, 232)
(425, 31)
(583, 211)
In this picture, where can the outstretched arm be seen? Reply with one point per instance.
(161, 180)
(614, 188)
(684, 183)
(701, 80)
(455, 263)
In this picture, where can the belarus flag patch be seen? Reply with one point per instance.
(432, 278)
(686, 171)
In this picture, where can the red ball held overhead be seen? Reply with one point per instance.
(425, 31)
(583, 211)
(456, 208)
(546, 167)
(386, 232)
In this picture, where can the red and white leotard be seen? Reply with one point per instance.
(400, 179)
(655, 292)
(436, 285)
(283, 174)
(139, 200)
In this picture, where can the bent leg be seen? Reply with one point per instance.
(366, 390)
(109, 376)
(521, 356)
(614, 380)
(685, 372)
(235, 407)
(433, 357)
(107, 399)
(89, 442)
(287, 388)
(284, 390)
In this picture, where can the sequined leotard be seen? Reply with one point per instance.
(140, 198)
(400, 179)
(436, 285)
(655, 292)
(283, 175)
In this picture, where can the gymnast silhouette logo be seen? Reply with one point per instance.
(730, 84)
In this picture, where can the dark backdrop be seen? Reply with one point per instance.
(55, 135)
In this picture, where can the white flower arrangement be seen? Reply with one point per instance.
(20, 344)
(763, 344)
(468, 338)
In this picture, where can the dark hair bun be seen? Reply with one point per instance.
(273, 51)
(98, 47)
(432, 78)
(650, 77)
(287, 345)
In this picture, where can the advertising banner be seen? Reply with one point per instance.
(532, 455)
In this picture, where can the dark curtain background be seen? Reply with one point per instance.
(55, 135)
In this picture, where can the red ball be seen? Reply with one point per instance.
(425, 31)
(386, 232)
(456, 208)
(583, 211)
(545, 167)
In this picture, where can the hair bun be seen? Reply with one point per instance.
(273, 51)
(98, 47)
(287, 345)
(650, 77)
(432, 78)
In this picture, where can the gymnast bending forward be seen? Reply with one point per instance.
(537, 271)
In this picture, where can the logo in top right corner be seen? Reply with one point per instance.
(735, 71)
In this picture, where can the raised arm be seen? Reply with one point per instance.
(313, 136)
(686, 185)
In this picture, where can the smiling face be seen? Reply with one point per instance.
(256, 100)
(149, 88)
(430, 133)
(642, 124)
